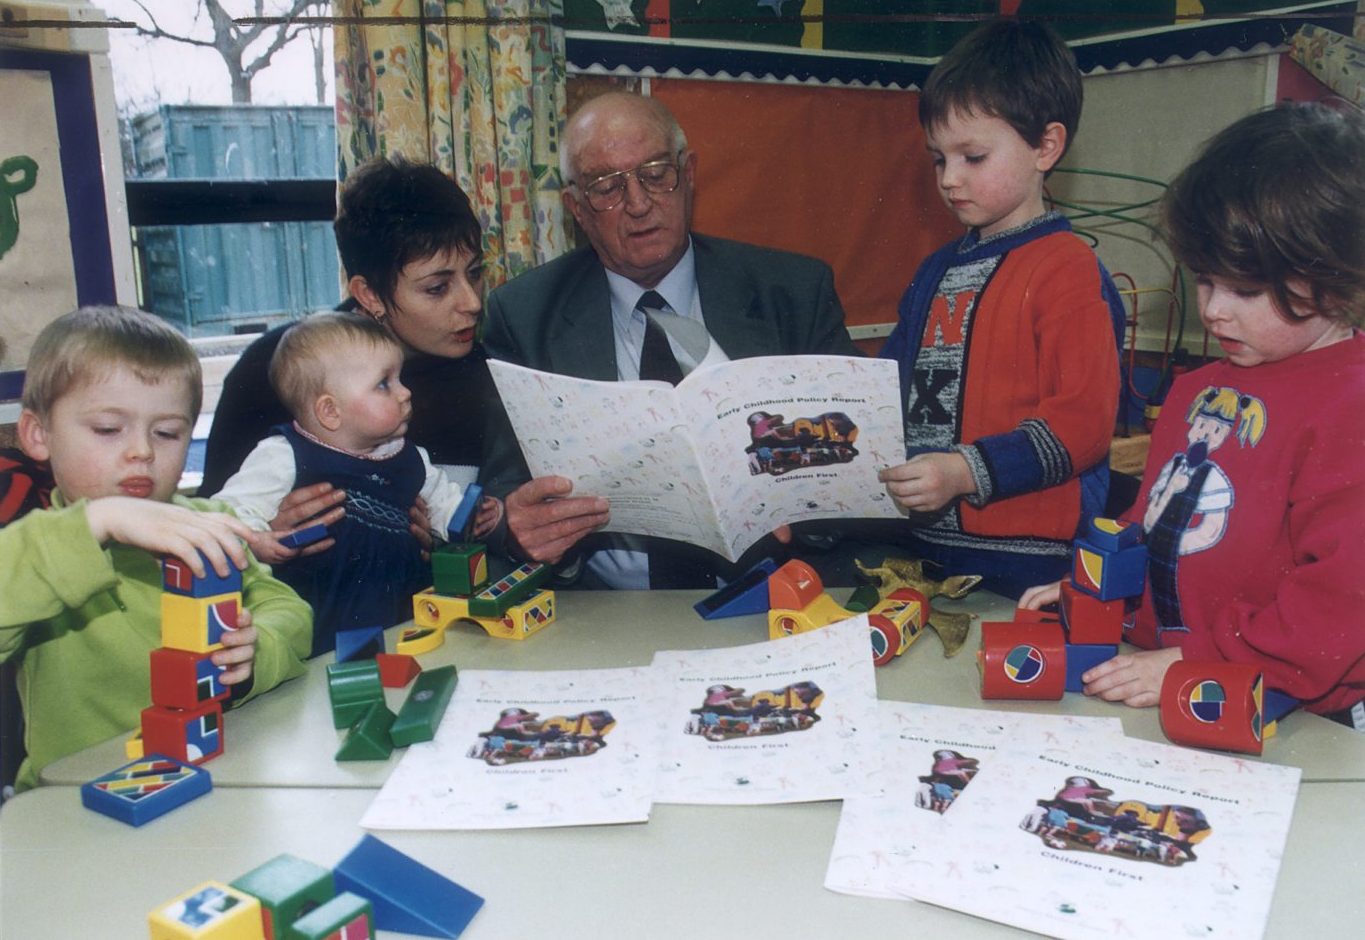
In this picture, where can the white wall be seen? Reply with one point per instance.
(1150, 123)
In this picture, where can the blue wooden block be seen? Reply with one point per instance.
(1113, 535)
(307, 536)
(1108, 574)
(465, 513)
(747, 594)
(139, 792)
(1081, 657)
(361, 643)
(178, 578)
(407, 896)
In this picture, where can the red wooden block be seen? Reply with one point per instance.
(185, 679)
(1088, 619)
(1022, 660)
(396, 670)
(1216, 705)
(192, 735)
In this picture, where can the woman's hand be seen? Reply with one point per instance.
(319, 504)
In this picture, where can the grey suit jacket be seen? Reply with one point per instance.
(557, 318)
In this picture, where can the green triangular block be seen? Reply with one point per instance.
(368, 738)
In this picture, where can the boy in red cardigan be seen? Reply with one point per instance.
(1253, 499)
(1008, 337)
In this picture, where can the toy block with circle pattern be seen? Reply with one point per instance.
(352, 688)
(1081, 657)
(1022, 661)
(1112, 535)
(198, 623)
(368, 738)
(426, 704)
(1214, 705)
(462, 519)
(511, 589)
(212, 911)
(345, 917)
(182, 679)
(359, 643)
(458, 569)
(139, 792)
(407, 896)
(1109, 574)
(1088, 619)
(747, 594)
(188, 734)
(397, 670)
(178, 578)
(287, 888)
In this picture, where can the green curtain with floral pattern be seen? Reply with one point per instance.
(475, 87)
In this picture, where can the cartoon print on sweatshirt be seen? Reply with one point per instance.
(1189, 504)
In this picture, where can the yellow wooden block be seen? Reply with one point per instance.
(197, 623)
(212, 911)
(132, 748)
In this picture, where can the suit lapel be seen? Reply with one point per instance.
(581, 341)
(729, 305)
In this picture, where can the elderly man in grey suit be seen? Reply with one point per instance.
(595, 313)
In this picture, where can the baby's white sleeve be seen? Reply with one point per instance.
(265, 477)
(442, 494)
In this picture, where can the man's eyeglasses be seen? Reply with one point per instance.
(657, 177)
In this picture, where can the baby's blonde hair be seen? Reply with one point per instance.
(86, 344)
(298, 368)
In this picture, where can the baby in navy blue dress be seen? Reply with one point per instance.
(338, 374)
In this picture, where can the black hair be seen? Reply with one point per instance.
(394, 212)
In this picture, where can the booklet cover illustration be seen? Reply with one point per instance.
(519, 735)
(949, 775)
(728, 713)
(1082, 815)
(779, 446)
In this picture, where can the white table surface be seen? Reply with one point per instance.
(285, 738)
(692, 871)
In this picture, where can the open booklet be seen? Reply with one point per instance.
(735, 450)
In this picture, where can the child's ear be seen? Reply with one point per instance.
(327, 412)
(32, 436)
(1051, 146)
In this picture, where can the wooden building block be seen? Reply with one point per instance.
(182, 679)
(1088, 619)
(212, 911)
(346, 917)
(352, 689)
(397, 670)
(288, 888)
(509, 590)
(197, 624)
(179, 578)
(369, 738)
(189, 734)
(459, 568)
(426, 704)
(1022, 660)
(407, 896)
(139, 792)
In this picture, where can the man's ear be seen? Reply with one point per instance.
(572, 204)
(364, 294)
(32, 436)
(1051, 147)
(327, 412)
